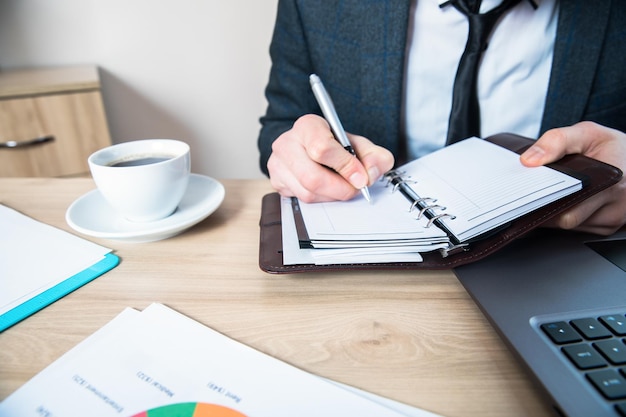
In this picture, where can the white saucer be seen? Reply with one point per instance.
(92, 215)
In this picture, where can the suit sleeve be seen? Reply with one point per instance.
(287, 92)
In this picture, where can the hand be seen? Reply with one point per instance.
(307, 162)
(605, 212)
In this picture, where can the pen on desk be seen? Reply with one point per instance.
(330, 114)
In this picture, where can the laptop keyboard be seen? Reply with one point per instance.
(597, 347)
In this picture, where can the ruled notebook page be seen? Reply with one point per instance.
(484, 185)
(385, 218)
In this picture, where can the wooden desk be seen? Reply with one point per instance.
(415, 337)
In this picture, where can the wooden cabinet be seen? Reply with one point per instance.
(51, 120)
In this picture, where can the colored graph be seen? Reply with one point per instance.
(190, 410)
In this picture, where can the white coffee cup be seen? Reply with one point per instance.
(143, 180)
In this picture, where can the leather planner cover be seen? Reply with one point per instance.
(596, 176)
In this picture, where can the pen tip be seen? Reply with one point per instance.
(366, 193)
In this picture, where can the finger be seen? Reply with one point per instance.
(575, 217)
(335, 157)
(376, 159)
(312, 182)
(294, 173)
(595, 223)
(601, 214)
(584, 137)
(321, 147)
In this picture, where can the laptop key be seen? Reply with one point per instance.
(591, 328)
(614, 350)
(609, 382)
(561, 332)
(616, 322)
(584, 356)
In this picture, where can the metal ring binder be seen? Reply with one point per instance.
(453, 249)
(423, 210)
(396, 178)
(396, 185)
(421, 200)
(399, 181)
(426, 205)
(437, 217)
(392, 176)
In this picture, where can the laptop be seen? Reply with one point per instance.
(558, 300)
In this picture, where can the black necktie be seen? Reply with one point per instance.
(464, 119)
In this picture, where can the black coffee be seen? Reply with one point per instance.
(140, 161)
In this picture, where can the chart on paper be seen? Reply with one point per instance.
(191, 410)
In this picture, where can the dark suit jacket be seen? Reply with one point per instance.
(357, 47)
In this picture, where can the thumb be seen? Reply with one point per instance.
(556, 143)
(550, 147)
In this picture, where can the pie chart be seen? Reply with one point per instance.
(190, 410)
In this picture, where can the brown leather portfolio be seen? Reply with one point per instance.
(595, 175)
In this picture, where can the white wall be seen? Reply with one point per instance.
(187, 69)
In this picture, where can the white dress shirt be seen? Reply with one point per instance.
(512, 80)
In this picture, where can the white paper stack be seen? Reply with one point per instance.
(160, 362)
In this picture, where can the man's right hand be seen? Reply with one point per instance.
(307, 162)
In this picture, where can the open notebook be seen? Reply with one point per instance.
(442, 199)
(445, 209)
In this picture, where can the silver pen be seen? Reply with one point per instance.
(330, 114)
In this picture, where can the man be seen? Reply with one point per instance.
(365, 53)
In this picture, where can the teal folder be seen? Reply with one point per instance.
(63, 288)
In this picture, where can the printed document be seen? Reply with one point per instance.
(159, 362)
